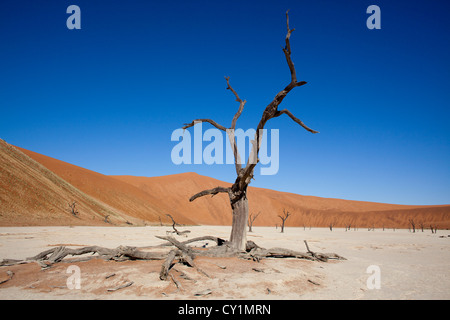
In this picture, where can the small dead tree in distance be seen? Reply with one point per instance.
(421, 226)
(237, 193)
(331, 226)
(252, 217)
(73, 210)
(413, 225)
(283, 218)
(433, 230)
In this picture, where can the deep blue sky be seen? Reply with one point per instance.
(107, 97)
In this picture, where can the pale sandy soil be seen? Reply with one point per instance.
(412, 265)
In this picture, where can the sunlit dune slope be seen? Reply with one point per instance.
(35, 190)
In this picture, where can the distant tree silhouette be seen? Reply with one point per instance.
(251, 219)
(283, 218)
(73, 208)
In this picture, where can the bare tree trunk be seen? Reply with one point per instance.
(238, 238)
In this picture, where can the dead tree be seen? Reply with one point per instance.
(433, 230)
(413, 225)
(237, 193)
(421, 226)
(283, 218)
(252, 217)
(180, 233)
(73, 210)
(331, 226)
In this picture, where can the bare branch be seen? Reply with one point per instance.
(241, 104)
(230, 132)
(286, 111)
(212, 192)
(237, 156)
(253, 217)
(287, 51)
(173, 223)
(271, 111)
(215, 124)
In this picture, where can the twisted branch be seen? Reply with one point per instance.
(212, 192)
(271, 110)
(300, 122)
(194, 122)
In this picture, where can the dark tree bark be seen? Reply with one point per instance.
(238, 191)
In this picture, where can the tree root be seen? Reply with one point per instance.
(182, 253)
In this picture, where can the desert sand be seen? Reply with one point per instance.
(412, 265)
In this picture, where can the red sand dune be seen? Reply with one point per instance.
(35, 189)
(306, 210)
(125, 198)
(30, 194)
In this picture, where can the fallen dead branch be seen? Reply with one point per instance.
(120, 287)
(203, 293)
(182, 253)
(10, 276)
(314, 283)
(176, 282)
(180, 233)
